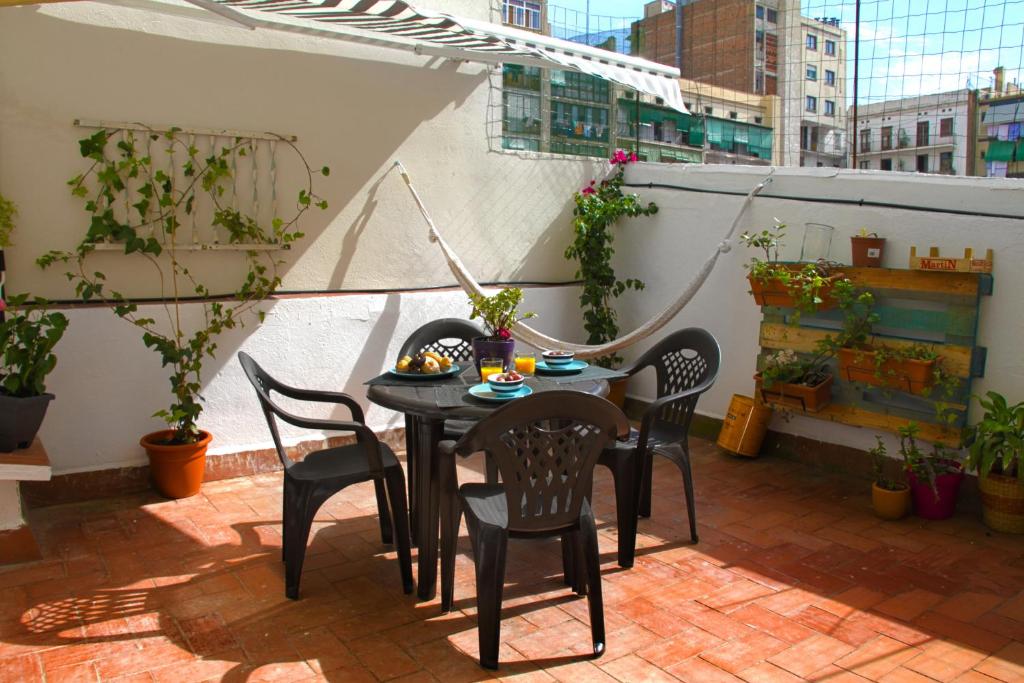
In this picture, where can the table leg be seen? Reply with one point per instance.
(411, 427)
(427, 498)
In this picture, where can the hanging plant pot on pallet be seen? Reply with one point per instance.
(774, 292)
(810, 399)
(910, 375)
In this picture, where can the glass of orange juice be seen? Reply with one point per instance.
(526, 363)
(491, 366)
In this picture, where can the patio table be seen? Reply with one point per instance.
(429, 403)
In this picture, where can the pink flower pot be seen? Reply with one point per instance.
(926, 503)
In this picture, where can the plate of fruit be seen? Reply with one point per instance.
(426, 365)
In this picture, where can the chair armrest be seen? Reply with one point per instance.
(447, 448)
(363, 433)
(317, 396)
(656, 407)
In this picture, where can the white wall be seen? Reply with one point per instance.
(666, 250)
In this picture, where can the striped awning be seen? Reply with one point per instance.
(396, 24)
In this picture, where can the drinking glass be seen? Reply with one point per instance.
(817, 242)
(491, 366)
(526, 363)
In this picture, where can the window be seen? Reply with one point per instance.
(812, 103)
(886, 164)
(759, 12)
(946, 162)
(812, 72)
(830, 77)
(922, 163)
(521, 113)
(946, 128)
(865, 140)
(757, 119)
(887, 137)
(573, 85)
(865, 165)
(733, 115)
(812, 42)
(579, 121)
(773, 16)
(524, 13)
(830, 108)
(521, 77)
(709, 111)
(830, 47)
(759, 36)
(922, 137)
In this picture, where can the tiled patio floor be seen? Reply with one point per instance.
(793, 578)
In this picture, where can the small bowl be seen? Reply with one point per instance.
(500, 385)
(558, 357)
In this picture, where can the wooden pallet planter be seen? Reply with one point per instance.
(967, 264)
(936, 309)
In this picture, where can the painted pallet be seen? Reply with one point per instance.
(967, 264)
(937, 309)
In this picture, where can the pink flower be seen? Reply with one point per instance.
(589, 189)
(633, 158)
(504, 334)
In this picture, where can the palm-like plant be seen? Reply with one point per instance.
(997, 441)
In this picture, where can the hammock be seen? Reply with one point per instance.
(543, 341)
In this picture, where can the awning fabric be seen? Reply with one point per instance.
(397, 24)
(999, 150)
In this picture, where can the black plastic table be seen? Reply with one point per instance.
(427, 405)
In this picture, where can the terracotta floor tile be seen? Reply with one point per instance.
(909, 605)
(944, 661)
(1005, 665)
(774, 624)
(811, 655)
(767, 673)
(967, 606)
(684, 645)
(635, 670)
(877, 657)
(743, 653)
(697, 670)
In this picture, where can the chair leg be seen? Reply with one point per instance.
(679, 454)
(489, 555)
(568, 561)
(382, 512)
(284, 527)
(297, 521)
(644, 507)
(400, 515)
(490, 470)
(451, 510)
(625, 509)
(592, 559)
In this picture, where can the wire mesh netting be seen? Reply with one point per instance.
(931, 86)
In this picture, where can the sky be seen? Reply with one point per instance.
(908, 47)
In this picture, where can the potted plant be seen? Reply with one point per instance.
(27, 338)
(995, 450)
(914, 369)
(867, 249)
(889, 496)
(499, 313)
(150, 229)
(806, 287)
(790, 380)
(598, 206)
(934, 478)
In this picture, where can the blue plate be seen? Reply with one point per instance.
(453, 370)
(484, 393)
(570, 368)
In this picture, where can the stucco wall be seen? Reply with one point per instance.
(669, 247)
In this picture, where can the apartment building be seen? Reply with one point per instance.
(927, 134)
(1000, 130)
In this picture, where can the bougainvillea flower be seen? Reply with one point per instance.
(504, 333)
(589, 189)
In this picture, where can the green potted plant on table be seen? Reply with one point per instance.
(27, 338)
(135, 203)
(995, 450)
(499, 313)
(890, 497)
(934, 478)
(598, 207)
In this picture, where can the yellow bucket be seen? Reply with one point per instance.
(744, 426)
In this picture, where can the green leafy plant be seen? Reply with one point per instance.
(996, 442)
(788, 367)
(27, 338)
(598, 207)
(8, 212)
(879, 458)
(500, 312)
(121, 170)
(926, 466)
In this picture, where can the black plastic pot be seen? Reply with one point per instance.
(20, 419)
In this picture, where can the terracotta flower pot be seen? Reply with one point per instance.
(774, 292)
(890, 504)
(1002, 500)
(911, 375)
(177, 469)
(867, 251)
(744, 426)
(798, 396)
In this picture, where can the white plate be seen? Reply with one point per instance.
(485, 393)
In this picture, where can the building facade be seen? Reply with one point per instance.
(927, 134)
(1000, 130)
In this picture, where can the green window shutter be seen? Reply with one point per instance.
(1000, 150)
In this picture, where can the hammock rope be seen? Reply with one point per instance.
(543, 341)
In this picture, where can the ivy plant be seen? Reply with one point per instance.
(161, 202)
(28, 335)
(598, 207)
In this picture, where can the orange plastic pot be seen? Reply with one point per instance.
(177, 469)
(911, 375)
(867, 251)
(773, 292)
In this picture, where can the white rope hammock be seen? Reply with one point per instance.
(543, 341)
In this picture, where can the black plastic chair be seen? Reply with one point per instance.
(310, 482)
(686, 364)
(545, 447)
(450, 337)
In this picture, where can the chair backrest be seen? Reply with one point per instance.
(546, 446)
(683, 360)
(263, 383)
(450, 337)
